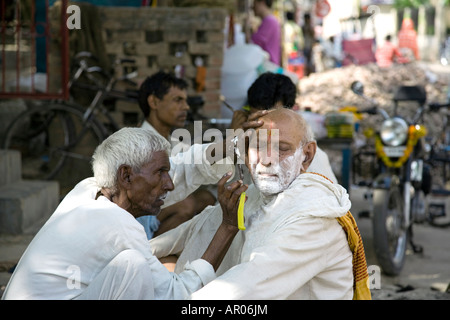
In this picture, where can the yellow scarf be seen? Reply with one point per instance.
(361, 289)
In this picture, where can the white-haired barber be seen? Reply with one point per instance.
(92, 247)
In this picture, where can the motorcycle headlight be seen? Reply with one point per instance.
(394, 132)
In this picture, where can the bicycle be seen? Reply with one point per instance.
(52, 135)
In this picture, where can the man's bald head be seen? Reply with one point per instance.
(288, 122)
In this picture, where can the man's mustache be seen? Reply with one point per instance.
(266, 170)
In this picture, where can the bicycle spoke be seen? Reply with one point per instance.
(74, 155)
(53, 141)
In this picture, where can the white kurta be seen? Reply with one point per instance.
(292, 248)
(85, 236)
(321, 164)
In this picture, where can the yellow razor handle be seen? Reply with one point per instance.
(241, 225)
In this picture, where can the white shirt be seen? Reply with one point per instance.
(321, 164)
(86, 234)
(292, 248)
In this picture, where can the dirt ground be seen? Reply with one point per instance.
(425, 276)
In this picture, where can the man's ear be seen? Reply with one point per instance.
(124, 176)
(152, 101)
(310, 151)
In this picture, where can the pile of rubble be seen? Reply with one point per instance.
(324, 91)
(330, 90)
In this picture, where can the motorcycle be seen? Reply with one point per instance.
(402, 178)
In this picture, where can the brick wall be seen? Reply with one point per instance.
(154, 37)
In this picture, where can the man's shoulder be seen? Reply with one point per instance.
(147, 126)
(272, 18)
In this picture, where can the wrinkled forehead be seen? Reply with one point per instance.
(285, 129)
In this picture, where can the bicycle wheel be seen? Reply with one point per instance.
(54, 137)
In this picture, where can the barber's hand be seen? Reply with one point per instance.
(228, 196)
(239, 117)
(253, 121)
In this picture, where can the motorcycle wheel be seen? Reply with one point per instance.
(389, 232)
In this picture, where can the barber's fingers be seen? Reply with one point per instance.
(227, 191)
(229, 199)
(229, 195)
(255, 115)
(234, 198)
(252, 124)
(239, 118)
(236, 188)
(223, 181)
(253, 120)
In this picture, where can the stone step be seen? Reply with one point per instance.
(10, 167)
(25, 205)
(9, 110)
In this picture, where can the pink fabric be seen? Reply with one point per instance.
(268, 37)
(386, 54)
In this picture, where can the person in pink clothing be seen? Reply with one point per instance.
(387, 53)
(268, 35)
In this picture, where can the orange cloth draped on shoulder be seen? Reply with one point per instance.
(361, 289)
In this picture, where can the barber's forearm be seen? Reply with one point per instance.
(220, 244)
(188, 173)
(171, 242)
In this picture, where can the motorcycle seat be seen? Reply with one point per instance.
(411, 93)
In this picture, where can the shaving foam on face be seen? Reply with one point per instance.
(278, 176)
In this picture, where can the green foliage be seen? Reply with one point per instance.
(399, 4)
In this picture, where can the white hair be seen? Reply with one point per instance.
(309, 133)
(128, 146)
